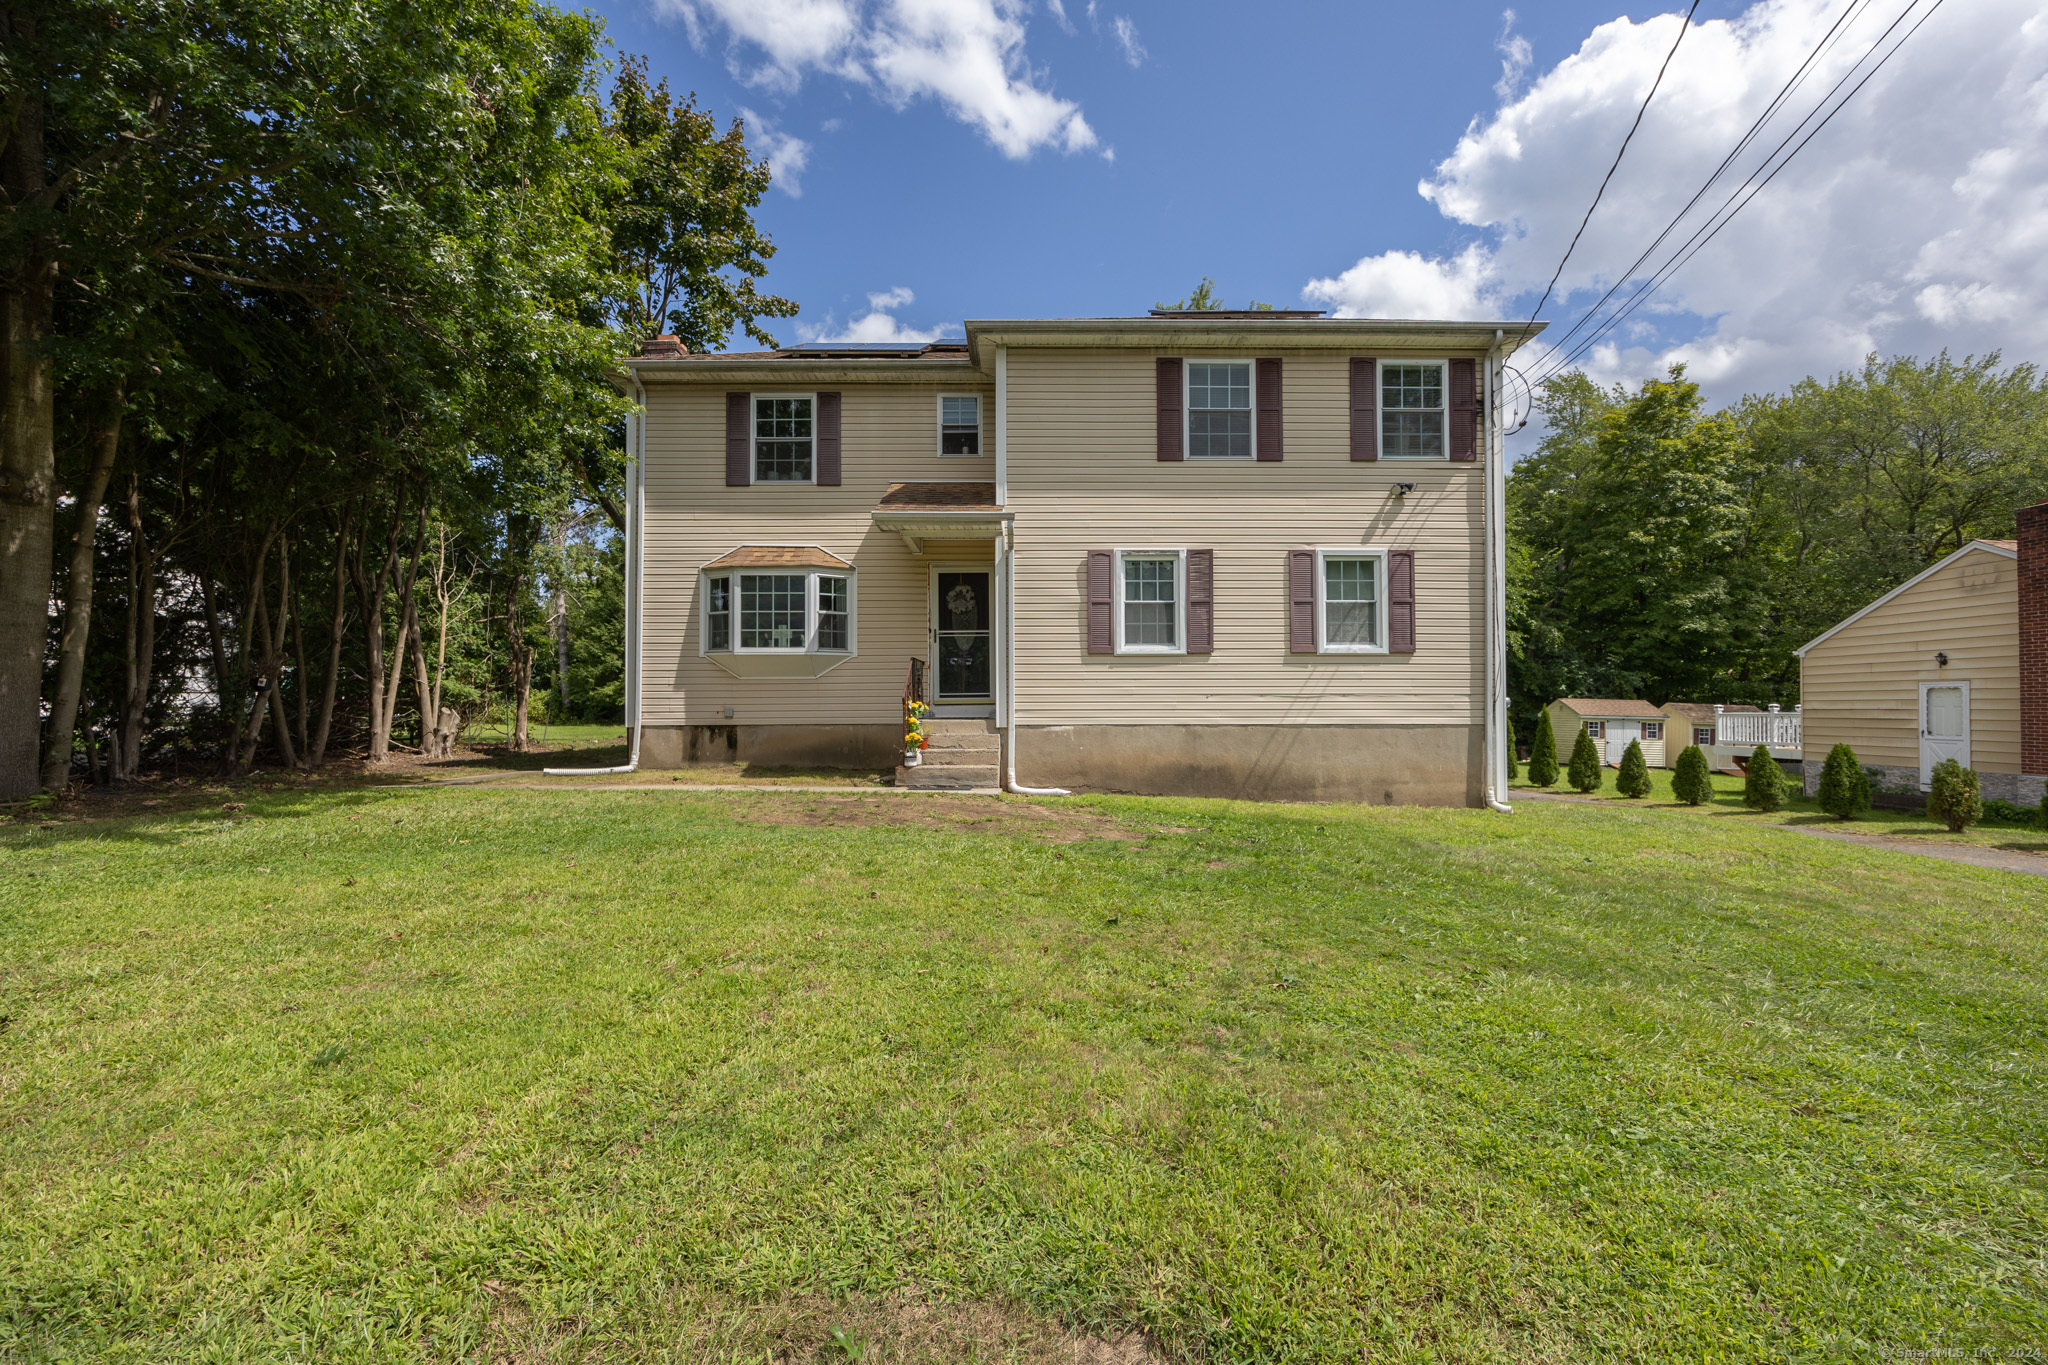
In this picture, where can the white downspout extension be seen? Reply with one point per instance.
(1006, 587)
(636, 443)
(1496, 587)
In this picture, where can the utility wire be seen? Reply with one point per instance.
(1698, 241)
(1684, 25)
(1556, 347)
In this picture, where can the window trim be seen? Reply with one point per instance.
(1324, 554)
(1187, 410)
(811, 574)
(754, 444)
(1595, 729)
(1380, 409)
(1708, 731)
(1648, 737)
(980, 427)
(1180, 599)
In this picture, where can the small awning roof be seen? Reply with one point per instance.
(778, 557)
(940, 511)
(939, 497)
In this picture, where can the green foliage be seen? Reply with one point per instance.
(1763, 782)
(1953, 796)
(1997, 812)
(1584, 772)
(1543, 753)
(1692, 781)
(1634, 777)
(1844, 786)
(1203, 300)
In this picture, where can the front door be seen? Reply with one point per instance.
(1944, 726)
(963, 617)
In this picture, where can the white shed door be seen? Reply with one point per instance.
(1619, 735)
(1944, 726)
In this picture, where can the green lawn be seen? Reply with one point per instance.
(382, 1075)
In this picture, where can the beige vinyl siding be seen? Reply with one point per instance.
(1861, 687)
(889, 434)
(1083, 474)
(1565, 725)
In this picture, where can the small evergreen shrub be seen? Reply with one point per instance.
(1634, 777)
(1997, 812)
(1511, 751)
(1953, 796)
(1692, 781)
(1584, 772)
(1763, 782)
(1543, 755)
(1844, 786)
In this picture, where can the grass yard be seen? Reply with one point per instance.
(382, 1075)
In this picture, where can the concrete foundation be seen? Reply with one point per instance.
(1396, 765)
(794, 746)
(1903, 784)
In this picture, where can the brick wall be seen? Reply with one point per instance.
(2033, 528)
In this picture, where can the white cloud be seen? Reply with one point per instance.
(787, 155)
(966, 54)
(1515, 57)
(1059, 16)
(1127, 39)
(1916, 220)
(878, 324)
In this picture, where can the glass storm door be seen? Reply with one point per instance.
(1944, 726)
(962, 618)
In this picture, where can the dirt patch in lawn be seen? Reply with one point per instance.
(1060, 823)
(899, 1329)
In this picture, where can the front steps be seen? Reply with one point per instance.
(959, 755)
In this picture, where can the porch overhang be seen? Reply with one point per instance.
(920, 512)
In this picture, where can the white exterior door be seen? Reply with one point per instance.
(1944, 726)
(1620, 733)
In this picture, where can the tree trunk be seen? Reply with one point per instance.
(370, 592)
(408, 626)
(298, 661)
(28, 459)
(316, 751)
(249, 725)
(273, 655)
(558, 615)
(141, 638)
(105, 439)
(519, 655)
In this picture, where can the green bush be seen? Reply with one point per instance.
(1543, 754)
(1953, 796)
(1584, 772)
(2009, 813)
(1692, 781)
(1634, 777)
(1844, 786)
(1763, 782)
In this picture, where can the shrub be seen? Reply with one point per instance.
(1634, 777)
(1584, 772)
(1692, 781)
(1844, 786)
(1543, 754)
(1763, 782)
(1953, 796)
(2009, 813)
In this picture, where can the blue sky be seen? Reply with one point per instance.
(989, 158)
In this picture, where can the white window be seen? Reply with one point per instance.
(1703, 735)
(1412, 410)
(779, 611)
(1596, 729)
(1351, 609)
(1219, 407)
(1151, 602)
(959, 424)
(1653, 729)
(783, 437)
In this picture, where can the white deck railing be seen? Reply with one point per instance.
(1747, 729)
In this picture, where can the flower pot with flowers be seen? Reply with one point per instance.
(914, 737)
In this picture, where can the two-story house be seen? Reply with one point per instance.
(1228, 554)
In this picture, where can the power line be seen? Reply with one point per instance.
(1684, 25)
(1699, 239)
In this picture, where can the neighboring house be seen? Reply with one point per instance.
(1952, 663)
(1612, 724)
(1728, 735)
(1230, 554)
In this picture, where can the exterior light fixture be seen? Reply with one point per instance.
(1941, 661)
(1402, 490)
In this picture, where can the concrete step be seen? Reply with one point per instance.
(978, 742)
(934, 726)
(935, 757)
(947, 777)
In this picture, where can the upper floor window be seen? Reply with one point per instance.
(1219, 409)
(783, 438)
(959, 424)
(1412, 411)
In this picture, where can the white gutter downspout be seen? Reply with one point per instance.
(1006, 589)
(1496, 587)
(636, 443)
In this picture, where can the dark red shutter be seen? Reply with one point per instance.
(1268, 401)
(1365, 408)
(1401, 601)
(826, 467)
(1201, 601)
(1101, 603)
(1301, 601)
(739, 445)
(1170, 423)
(1464, 409)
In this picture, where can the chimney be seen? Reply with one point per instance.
(2034, 639)
(664, 347)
